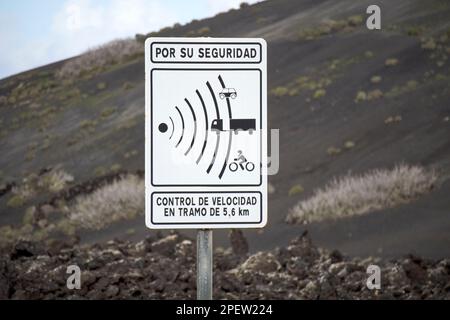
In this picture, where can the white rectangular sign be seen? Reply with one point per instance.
(205, 133)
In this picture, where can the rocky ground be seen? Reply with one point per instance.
(163, 267)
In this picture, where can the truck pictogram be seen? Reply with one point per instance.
(234, 125)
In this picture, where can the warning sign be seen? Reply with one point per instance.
(206, 133)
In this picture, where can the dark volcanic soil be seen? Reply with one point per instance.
(40, 132)
(164, 268)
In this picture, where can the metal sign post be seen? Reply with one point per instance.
(204, 264)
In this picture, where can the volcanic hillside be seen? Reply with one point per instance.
(346, 100)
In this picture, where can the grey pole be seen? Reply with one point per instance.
(204, 264)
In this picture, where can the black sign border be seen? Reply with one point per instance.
(208, 223)
(207, 62)
(151, 126)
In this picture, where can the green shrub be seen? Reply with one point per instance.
(393, 119)
(45, 144)
(374, 94)
(327, 27)
(355, 20)
(101, 86)
(108, 111)
(375, 79)
(127, 85)
(429, 44)
(368, 54)
(280, 91)
(349, 144)
(130, 154)
(412, 84)
(191, 33)
(55, 181)
(15, 201)
(414, 31)
(100, 171)
(333, 151)
(115, 167)
(262, 20)
(361, 96)
(319, 93)
(30, 155)
(294, 92)
(390, 62)
(296, 189)
(29, 215)
(409, 86)
(203, 31)
(66, 226)
(88, 125)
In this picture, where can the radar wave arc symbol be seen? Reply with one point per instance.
(229, 133)
(206, 125)
(185, 118)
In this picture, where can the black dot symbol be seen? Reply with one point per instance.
(162, 127)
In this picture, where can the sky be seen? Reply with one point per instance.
(38, 32)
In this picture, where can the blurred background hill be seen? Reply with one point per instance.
(364, 119)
